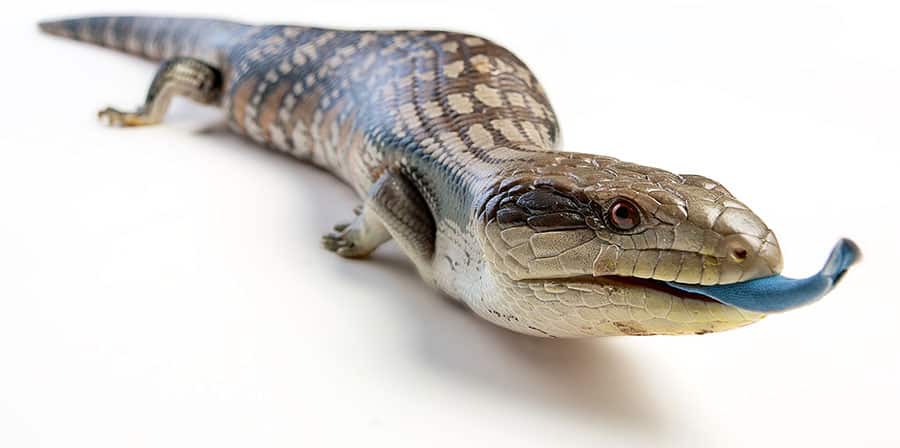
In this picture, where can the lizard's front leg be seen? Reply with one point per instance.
(393, 209)
(186, 77)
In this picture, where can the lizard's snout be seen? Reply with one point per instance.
(737, 244)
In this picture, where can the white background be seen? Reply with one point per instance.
(165, 286)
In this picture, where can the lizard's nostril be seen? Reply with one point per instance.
(739, 254)
(748, 257)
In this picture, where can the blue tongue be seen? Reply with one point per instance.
(779, 293)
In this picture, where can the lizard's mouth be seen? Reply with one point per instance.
(764, 295)
(618, 281)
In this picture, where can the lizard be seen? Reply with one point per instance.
(452, 145)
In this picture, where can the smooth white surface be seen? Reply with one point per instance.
(165, 286)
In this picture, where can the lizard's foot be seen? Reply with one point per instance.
(114, 117)
(346, 241)
(357, 239)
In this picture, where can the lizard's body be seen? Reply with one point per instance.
(450, 141)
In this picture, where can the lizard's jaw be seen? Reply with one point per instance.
(573, 284)
(608, 305)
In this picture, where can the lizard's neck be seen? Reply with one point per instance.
(457, 180)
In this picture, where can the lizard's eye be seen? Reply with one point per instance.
(623, 215)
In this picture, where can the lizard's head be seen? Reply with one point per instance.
(583, 245)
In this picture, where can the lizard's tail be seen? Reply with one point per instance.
(154, 38)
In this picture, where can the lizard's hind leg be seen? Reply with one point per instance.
(186, 77)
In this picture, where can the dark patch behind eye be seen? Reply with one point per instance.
(557, 221)
(511, 216)
(543, 199)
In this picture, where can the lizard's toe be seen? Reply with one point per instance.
(343, 242)
(334, 241)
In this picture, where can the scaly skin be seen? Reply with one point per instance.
(450, 141)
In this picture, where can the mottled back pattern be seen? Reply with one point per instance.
(355, 102)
